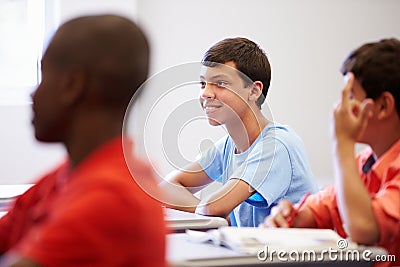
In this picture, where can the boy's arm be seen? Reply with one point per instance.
(224, 200)
(280, 214)
(179, 187)
(252, 174)
(354, 201)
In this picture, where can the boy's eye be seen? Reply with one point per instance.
(221, 83)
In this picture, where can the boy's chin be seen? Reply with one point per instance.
(213, 122)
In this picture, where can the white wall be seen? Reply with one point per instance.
(306, 41)
(22, 158)
(72, 8)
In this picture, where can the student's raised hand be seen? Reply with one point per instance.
(350, 115)
(279, 215)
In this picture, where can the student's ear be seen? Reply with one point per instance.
(385, 105)
(74, 85)
(256, 90)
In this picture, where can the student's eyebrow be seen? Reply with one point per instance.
(218, 76)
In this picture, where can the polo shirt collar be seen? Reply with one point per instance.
(381, 164)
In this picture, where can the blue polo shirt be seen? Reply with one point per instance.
(275, 166)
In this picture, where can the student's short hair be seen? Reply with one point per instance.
(376, 66)
(251, 61)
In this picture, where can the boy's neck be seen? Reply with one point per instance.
(381, 148)
(384, 142)
(87, 135)
(246, 131)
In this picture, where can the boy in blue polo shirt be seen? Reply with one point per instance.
(260, 161)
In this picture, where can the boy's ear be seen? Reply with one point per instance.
(74, 83)
(256, 90)
(386, 105)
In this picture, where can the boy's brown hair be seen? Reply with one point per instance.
(251, 61)
(376, 66)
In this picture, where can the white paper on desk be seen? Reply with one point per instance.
(251, 240)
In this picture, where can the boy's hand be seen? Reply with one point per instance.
(279, 215)
(350, 115)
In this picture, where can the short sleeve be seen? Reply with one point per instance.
(325, 210)
(267, 169)
(386, 208)
(212, 161)
(321, 205)
(17, 219)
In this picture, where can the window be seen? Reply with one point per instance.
(23, 31)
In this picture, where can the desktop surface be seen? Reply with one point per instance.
(182, 252)
(8, 194)
(179, 221)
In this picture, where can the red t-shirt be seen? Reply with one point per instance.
(94, 215)
(383, 183)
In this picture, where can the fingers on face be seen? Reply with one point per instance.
(366, 108)
(346, 101)
(346, 92)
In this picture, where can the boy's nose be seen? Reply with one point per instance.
(208, 91)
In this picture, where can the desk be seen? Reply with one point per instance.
(179, 221)
(8, 193)
(183, 253)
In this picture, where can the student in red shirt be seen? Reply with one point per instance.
(88, 211)
(364, 204)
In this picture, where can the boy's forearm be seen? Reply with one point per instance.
(178, 197)
(213, 207)
(353, 198)
(304, 219)
(224, 200)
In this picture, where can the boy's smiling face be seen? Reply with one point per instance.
(223, 95)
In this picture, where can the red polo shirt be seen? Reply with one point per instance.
(383, 182)
(94, 215)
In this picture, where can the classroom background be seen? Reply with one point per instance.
(305, 40)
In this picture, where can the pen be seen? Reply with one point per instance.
(296, 210)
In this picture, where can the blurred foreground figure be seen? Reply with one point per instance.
(88, 211)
